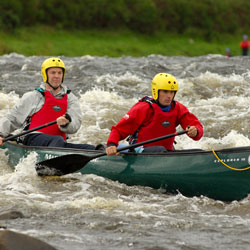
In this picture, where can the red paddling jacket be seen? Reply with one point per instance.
(146, 120)
(50, 111)
(244, 44)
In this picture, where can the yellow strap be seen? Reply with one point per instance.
(236, 169)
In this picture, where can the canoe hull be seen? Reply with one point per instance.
(190, 173)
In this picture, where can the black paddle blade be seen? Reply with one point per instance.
(62, 165)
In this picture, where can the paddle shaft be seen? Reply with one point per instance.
(28, 131)
(71, 163)
(148, 141)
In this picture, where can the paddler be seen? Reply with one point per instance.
(52, 101)
(154, 117)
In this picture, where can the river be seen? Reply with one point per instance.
(79, 212)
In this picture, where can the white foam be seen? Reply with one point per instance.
(24, 177)
(232, 139)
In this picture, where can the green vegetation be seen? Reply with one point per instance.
(122, 27)
(205, 17)
(51, 42)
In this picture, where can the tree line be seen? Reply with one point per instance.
(204, 17)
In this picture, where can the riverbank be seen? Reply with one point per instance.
(44, 41)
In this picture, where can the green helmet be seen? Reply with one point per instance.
(163, 81)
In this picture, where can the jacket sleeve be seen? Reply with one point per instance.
(16, 117)
(186, 118)
(74, 110)
(130, 122)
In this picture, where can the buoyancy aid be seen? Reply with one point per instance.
(50, 111)
(162, 123)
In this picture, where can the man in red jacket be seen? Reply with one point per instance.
(244, 44)
(155, 117)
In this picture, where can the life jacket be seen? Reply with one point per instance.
(162, 123)
(50, 111)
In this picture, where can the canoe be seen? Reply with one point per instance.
(221, 175)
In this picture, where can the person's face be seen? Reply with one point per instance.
(166, 97)
(55, 76)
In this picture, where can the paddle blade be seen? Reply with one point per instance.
(62, 165)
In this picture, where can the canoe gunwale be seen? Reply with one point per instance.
(174, 153)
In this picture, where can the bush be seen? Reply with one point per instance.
(206, 17)
(10, 14)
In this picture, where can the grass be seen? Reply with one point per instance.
(45, 41)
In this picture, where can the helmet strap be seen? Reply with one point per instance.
(162, 106)
(53, 87)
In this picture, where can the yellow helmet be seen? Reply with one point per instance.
(50, 63)
(163, 81)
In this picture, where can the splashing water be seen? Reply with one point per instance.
(91, 212)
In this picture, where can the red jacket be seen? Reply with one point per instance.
(244, 44)
(50, 111)
(149, 120)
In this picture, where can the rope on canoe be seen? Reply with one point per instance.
(236, 169)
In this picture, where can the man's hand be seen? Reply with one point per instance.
(112, 150)
(192, 131)
(1, 141)
(62, 121)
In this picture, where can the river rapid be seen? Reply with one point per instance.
(79, 212)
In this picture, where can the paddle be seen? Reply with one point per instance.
(28, 131)
(70, 163)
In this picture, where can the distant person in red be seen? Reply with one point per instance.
(244, 45)
(228, 53)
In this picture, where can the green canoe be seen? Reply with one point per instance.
(221, 175)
